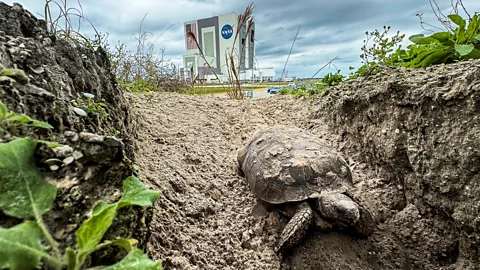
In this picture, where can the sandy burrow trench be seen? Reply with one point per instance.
(186, 148)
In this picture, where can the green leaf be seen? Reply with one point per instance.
(443, 37)
(477, 37)
(23, 191)
(416, 62)
(472, 28)
(434, 58)
(416, 38)
(93, 229)
(475, 54)
(22, 118)
(135, 260)
(458, 20)
(51, 144)
(422, 40)
(125, 243)
(20, 246)
(40, 124)
(464, 49)
(135, 193)
(70, 258)
(3, 110)
(460, 37)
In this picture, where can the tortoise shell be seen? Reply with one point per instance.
(287, 164)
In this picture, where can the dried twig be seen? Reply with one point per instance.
(328, 63)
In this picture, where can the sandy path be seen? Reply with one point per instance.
(187, 149)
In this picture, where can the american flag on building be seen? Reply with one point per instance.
(190, 41)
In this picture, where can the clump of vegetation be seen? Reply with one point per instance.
(142, 71)
(26, 195)
(460, 41)
(11, 122)
(286, 91)
(380, 52)
(145, 69)
(16, 75)
(306, 90)
(89, 106)
(63, 25)
(331, 79)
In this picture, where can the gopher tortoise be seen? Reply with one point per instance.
(287, 165)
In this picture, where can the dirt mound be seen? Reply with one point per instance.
(420, 129)
(44, 78)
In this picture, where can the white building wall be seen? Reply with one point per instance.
(226, 45)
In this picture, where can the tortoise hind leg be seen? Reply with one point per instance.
(296, 228)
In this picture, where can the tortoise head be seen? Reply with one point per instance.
(340, 208)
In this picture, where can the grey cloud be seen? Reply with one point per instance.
(327, 28)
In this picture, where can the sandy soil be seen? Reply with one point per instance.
(257, 93)
(206, 217)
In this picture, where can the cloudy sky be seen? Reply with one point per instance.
(327, 29)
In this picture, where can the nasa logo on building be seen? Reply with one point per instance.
(227, 31)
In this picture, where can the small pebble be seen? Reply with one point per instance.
(68, 160)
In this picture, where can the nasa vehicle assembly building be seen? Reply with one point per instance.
(216, 37)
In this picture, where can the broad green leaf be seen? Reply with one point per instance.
(93, 229)
(443, 37)
(464, 49)
(20, 246)
(23, 191)
(3, 110)
(416, 62)
(135, 193)
(416, 38)
(477, 37)
(99, 207)
(135, 260)
(434, 58)
(22, 118)
(40, 124)
(421, 39)
(458, 20)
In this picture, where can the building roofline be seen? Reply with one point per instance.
(211, 17)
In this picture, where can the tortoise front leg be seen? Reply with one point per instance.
(296, 229)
